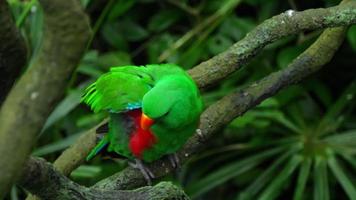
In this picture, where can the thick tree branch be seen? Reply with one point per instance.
(72, 157)
(66, 31)
(40, 178)
(13, 53)
(287, 23)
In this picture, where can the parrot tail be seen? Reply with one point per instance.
(100, 146)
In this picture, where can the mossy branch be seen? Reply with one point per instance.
(40, 178)
(13, 52)
(26, 108)
(288, 23)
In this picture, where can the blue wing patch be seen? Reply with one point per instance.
(132, 106)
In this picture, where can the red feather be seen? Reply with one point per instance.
(140, 139)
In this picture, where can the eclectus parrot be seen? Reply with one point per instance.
(153, 110)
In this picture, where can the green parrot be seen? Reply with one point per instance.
(153, 110)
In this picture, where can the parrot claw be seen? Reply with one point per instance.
(145, 171)
(174, 159)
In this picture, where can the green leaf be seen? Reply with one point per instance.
(321, 184)
(85, 3)
(229, 171)
(88, 65)
(286, 55)
(28, 6)
(163, 19)
(113, 58)
(342, 178)
(157, 45)
(56, 146)
(256, 116)
(265, 177)
(120, 7)
(90, 119)
(347, 138)
(350, 159)
(276, 186)
(36, 27)
(114, 37)
(64, 107)
(269, 103)
(236, 28)
(14, 193)
(302, 179)
(132, 31)
(218, 44)
(322, 91)
(331, 119)
(90, 70)
(86, 171)
(351, 37)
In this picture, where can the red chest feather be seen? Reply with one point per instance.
(140, 139)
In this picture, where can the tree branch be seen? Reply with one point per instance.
(40, 178)
(287, 23)
(66, 31)
(13, 53)
(72, 157)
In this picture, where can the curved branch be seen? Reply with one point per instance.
(40, 178)
(13, 52)
(66, 31)
(72, 157)
(287, 23)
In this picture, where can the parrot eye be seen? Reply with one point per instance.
(164, 115)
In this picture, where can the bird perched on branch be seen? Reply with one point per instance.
(153, 110)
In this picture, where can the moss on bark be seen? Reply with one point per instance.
(26, 108)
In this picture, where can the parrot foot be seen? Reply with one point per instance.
(174, 159)
(146, 172)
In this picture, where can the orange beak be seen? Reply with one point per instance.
(146, 122)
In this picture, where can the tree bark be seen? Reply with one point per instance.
(13, 52)
(40, 178)
(26, 108)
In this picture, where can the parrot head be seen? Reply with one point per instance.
(168, 104)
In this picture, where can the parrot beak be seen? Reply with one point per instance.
(146, 122)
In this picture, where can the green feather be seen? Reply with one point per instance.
(100, 146)
(116, 90)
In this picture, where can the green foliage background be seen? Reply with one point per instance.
(300, 144)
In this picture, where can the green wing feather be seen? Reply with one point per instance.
(119, 90)
(100, 146)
